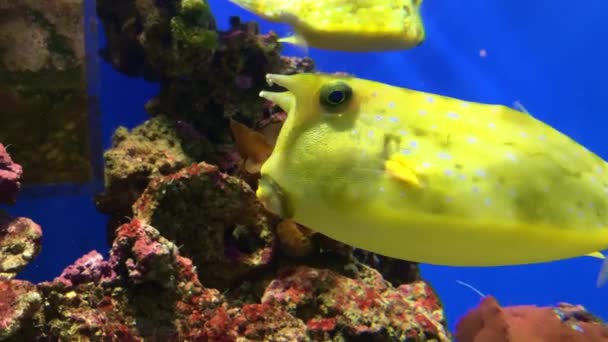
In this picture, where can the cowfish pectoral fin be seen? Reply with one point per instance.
(398, 167)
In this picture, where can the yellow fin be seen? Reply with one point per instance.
(520, 107)
(602, 277)
(597, 255)
(397, 167)
(297, 40)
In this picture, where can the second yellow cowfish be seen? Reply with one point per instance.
(346, 25)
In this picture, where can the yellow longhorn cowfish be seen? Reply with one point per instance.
(347, 25)
(430, 178)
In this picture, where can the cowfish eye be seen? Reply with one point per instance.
(335, 95)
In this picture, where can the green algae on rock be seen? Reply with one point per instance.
(157, 39)
(151, 149)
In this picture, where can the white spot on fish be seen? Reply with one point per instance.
(487, 201)
(475, 190)
(370, 134)
(464, 104)
(402, 132)
(444, 155)
(598, 169)
(448, 172)
(430, 99)
(471, 140)
(449, 199)
(375, 94)
(391, 104)
(381, 189)
(406, 151)
(413, 143)
(402, 194)
(480, 173)
(523, 134)
(393, 119)
(511, 193)
(510, 156)
(542, 137)
(491, 125)
(462, 177)
(422, 112)
(434, 127)
(426, 165)
(453, 115)
(379, 117)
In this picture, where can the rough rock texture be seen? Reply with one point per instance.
(214, 217)
(151, 149)
(203, 82)
(10, 176)
(20, 242)
(19, 301)
(340, 308)
(490, 322)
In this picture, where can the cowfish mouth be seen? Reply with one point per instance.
(274, 199)
(285, 99)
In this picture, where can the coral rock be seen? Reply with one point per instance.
(142, 255)
(19, 301)
(490, 322)
(151, 149)
(146, 291)
(214, 218)
(89, 268)
(10, 175)
(20, 242)
(335, 305)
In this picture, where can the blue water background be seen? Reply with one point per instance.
(547, 54)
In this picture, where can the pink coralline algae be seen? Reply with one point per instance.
(89, 268)
(490, 322)
(19, 301)
(10, 175)
(334, 305)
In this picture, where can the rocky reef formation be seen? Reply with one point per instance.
(194, 256)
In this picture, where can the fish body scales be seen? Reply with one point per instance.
(481, 162)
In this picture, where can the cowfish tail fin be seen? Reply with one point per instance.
(297, 40)
(268, 9)
(602, 277)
